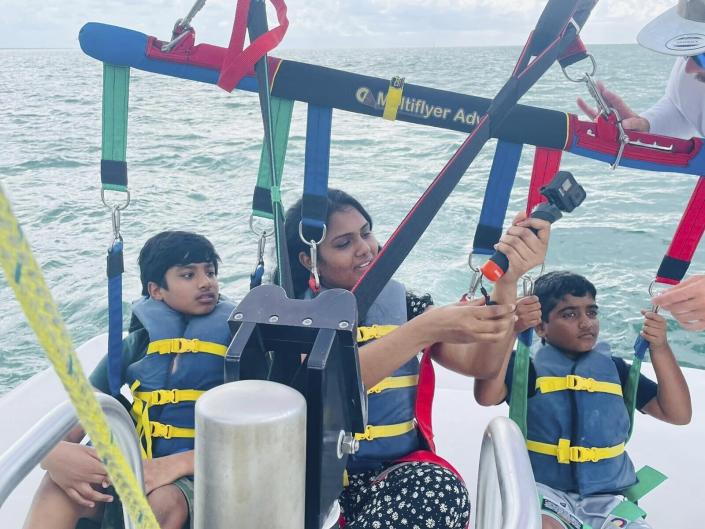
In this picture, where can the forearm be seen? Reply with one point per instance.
(478, 359)
(492, 390)
(673, 397)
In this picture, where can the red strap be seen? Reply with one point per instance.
(685, 241)
(425, 390)
(546, 165)
(575, 52)
(238, 60)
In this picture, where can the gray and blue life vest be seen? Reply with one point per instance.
(391, 432)
(184, 360)
(577, 423)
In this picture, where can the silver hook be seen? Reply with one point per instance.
(260, 233)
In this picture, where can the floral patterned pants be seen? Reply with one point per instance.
(406, 496)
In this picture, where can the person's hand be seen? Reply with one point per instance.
(528, 313)
(76, 468)
(157, 473)
(470, 321)
(686, 302)
(524, 248)
(654, 330)
(630, 119)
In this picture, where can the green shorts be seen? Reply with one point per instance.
(112, 515)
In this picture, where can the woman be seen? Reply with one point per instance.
(395, 479)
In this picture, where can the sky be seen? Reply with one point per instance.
(324, 23)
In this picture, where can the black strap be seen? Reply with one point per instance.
(525, 74)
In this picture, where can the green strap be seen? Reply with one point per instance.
(116, 89)
(628, 510)
(520, 386)
(647, 480)
(268, 196)
(630, 391)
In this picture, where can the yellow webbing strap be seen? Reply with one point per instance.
(576, 383)
(25, 277)
(184, 345)
(394, 383)
(394, 93)
(143, 400)
(388, 430)
(575, 454)
(346, 479)
(365, 334)
(168, 431)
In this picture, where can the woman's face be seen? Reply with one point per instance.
(347, 250)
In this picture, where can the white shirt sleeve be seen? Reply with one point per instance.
(665, 118)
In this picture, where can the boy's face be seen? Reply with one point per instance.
(572, 325)
(191, 289)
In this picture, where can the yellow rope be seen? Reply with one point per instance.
(26, 279)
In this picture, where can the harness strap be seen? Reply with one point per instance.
(167, 431)
(576, 383)
(526, 72)
(393, 99)
(115, 266)
(238, 60)
(648, 479)
(388, 430)
(406, 381)
(314, 207)
(116, 90)
(266, 195)
(184, 345)
(565, 453)
(159, 397)
(494, 204)
(373, 332)
(547, 162)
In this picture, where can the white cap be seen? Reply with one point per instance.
(678, 31)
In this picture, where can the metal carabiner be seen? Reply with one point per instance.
(475, 279)
(313, 252)
(654, 308)
(261, 245)
(527, 285)
(585, 75)
(116, 205)
(260, 233)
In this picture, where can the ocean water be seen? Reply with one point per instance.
(193, 152)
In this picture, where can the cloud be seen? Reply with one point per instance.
(329, 23)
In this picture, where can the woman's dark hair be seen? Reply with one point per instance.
(173, 248)
(337, 201)
(554, 286)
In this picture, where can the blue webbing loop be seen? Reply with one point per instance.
(114, 271)
(314, 207)
(496, 200)
(256, 276)
(640, 347)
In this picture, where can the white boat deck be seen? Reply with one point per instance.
(458, 424)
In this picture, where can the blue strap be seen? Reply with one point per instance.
(494, 205)
(256, 276)
(115, 268)
(314, 209)
(640, 347)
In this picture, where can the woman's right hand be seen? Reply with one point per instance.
(470, 321)
(76, 468)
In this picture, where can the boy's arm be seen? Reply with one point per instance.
(162, 471)
(492, 391)
(672, 401)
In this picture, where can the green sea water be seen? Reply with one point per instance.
(193, 152)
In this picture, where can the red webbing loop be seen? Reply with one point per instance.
(575, 52)
(685, 241)
(547, 162)
(238, 61)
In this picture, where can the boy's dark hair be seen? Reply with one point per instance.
(552, 287)
(173, 248)
(337, 200)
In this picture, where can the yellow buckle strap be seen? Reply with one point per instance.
(566, 454)
(394, 383)
(576, 383)
(388, 430)
(393, 101)
(365, 334)
(168, 431)
(167, 396)
(184, 345)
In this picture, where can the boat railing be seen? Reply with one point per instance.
(506, 490)
(26, 453)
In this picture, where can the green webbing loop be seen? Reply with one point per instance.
(267, 193)
(629, 511)
(116, 83)
(520, 387)
(630, 390)
(647, 480)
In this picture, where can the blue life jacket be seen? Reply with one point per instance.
(392, 430)
(577, 423)
(184, 359)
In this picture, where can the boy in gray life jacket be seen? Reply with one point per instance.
(173, 354)
(576, 420)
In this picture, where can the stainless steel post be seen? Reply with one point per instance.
(250, 457)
